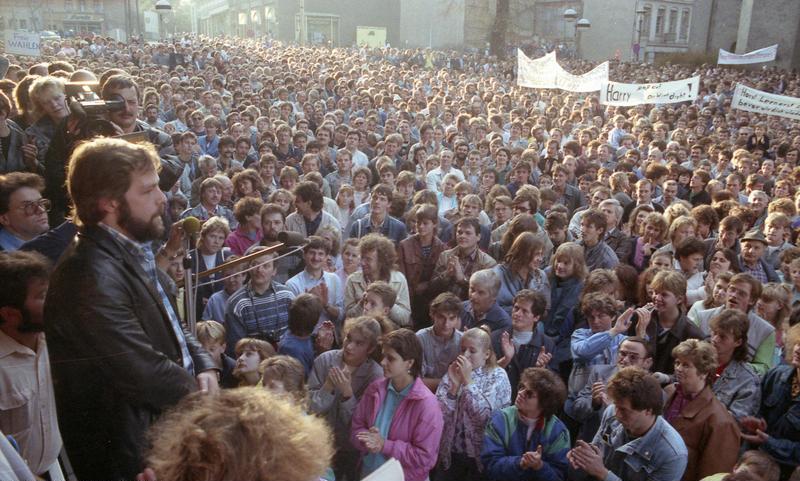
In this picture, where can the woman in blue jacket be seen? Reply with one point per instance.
(527, 441)
(566, 274)
(521, 269)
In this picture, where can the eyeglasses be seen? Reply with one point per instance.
(33, 208)
(632, 356)
(526, 392)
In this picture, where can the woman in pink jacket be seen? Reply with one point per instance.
(398, 417)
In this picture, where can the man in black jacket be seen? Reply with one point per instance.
(118, 352)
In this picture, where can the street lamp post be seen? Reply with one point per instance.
(580, 26)
(569, 16)
(163, 7)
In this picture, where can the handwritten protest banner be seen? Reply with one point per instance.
(752, 100)
(766, 54)
(546, 73)
(614, 93)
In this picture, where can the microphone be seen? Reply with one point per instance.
(191, 225)
(292, 239)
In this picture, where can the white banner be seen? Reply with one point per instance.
(536, 74)
(752, 100)
(546, 73)
(591, 81)
(613, 93)
(22, 43)
(766, 54)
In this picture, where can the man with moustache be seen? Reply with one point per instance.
(273, 222)
(118, 352)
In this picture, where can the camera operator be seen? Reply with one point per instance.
(120, 95)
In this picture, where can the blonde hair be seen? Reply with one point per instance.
(215, 223)
(701, 354)
(676, 210)
(39, 88)
(245, 433)
(682, 221)
(209, 332)
(573, 252)
(367, 326)
(774, 291)
(482, 335)
(289, 371)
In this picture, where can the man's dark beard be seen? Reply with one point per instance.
(27, 324)
(139, 230)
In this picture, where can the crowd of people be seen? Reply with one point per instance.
(493, 283)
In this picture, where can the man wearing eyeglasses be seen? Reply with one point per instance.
(587, 406)
(23, 211)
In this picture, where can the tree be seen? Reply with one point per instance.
(497, 39)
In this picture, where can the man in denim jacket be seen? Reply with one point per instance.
(634, 442)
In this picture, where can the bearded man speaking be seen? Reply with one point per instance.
(119, 354)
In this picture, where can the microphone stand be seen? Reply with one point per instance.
(188, 289)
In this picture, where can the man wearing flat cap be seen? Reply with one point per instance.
(751, 257)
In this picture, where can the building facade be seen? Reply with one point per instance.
(745, 25)
(406, 23)
(106, 17)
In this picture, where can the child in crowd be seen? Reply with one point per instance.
(297, 342)
(211, 335)
(249, 354)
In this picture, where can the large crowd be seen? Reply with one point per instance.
(493, 283)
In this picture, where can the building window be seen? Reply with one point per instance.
(23, 24)
(98, 5)
(660, 17)
(644, 27)
(673, 25)
(684, 28)
(82, 5)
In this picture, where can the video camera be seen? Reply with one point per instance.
(85, 103)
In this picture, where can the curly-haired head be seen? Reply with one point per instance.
(549, 388)
(385, 249)
(701, 354)
(243, 433)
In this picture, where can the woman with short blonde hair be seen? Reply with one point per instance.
(48, 107)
